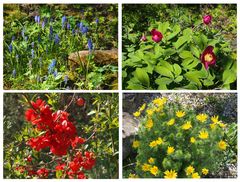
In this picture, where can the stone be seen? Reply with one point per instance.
(101, 57)
(129, 130)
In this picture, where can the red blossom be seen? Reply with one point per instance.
(77, 140)
(43, 173)
(156, 35)
(207, 19)
(81, 175)
(208, 57)
(80, 102)
(60, 167)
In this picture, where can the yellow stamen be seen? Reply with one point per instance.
(208, 57)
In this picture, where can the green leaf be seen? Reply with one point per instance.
(229, 76)
(187, 32)
(164, 71)
(166, 64)
(59, 174)
(177, 69)
(190, 63)
(142, 76)
(176, 30)
(195, 51)
(168, 52)
(162, 83)
(208, 82)
(186, 54)
(178, 79)
(181, 40)
(163, 27)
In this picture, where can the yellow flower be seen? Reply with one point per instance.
(150, 112)
(222, 125)
(154, 170)
(171, 122)
(195, 175)
(187, 125)
(189, 170)
(222, 145)
(205, 171)
(135, 144)
(180, 114)
(142, 107)
(192, 140)
(160, 101)
(137, 114)
(133, 176)
(153, 144)
(149, 123)
(212, 126)
(202, 117)
(170, 174)
(170, 150)
(146, 167)
(203, 134)
(214, 119)
(159, 141)
(151, 160)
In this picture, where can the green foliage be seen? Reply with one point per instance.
(165, 125)
(174, 63)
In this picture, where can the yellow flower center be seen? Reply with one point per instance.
(208, 57)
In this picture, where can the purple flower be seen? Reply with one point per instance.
(55, 73)
(10, 48)
(64, 18)
(84, 30)
(65, 79)
(68, 26)
(50, 32)
(37, 19)
(14, 73)
(90, 45)
(32, 44)
(97, 21)
(43, 24)
(73, 31)
(13, 38)
(32, 52)
(51, 66)
(57, 39)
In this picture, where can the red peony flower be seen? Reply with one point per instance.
(207, 19)
(208, 57)
(143, 38)
(156, 35)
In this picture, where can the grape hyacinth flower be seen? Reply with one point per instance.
(14, 73)
(37, 19)
(50, 32)
(13, 38)
(64, 18)
(32, 53)
(90, 45)
(51, 66)
(10, 48)
(32, 44)
(55, 73)
(73, 31)
(57, 39)
(65, 79)
(84, 30)
(68, 26)
(43, 24)
(97, 21)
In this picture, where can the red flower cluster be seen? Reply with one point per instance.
(81, 162)
(60, 132)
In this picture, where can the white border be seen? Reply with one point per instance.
(120, 91)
